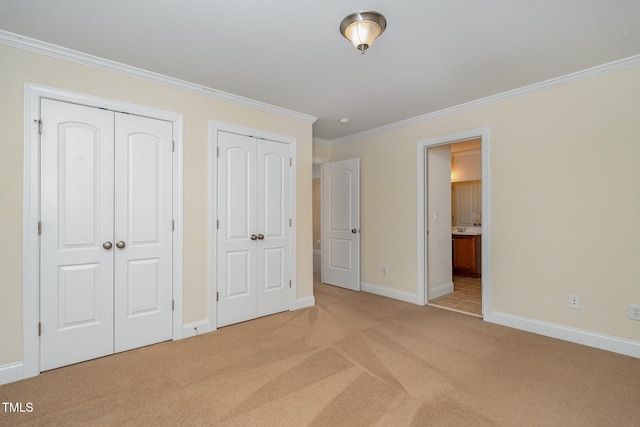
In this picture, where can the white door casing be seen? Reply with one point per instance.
(97, 297)
(341, 224)
(31, 238)
(254, 234)
(76, 271)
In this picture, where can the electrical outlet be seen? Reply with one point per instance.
(385, 271)
(634, 312)
(574, 302)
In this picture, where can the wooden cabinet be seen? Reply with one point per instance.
(466, 255)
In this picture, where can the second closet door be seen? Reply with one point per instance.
(253, 265)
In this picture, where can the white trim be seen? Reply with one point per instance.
(321, 141)
(441, 290)
(611, 67)
(214, 127)
(189, 329)
(33, 94)
(33, 45)
(566, 333)
(317, 161)
(11, 373)
(304, 302)
(422, 286)
(389, 292)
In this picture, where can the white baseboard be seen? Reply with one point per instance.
(11, 373)
(195, 328)
(305, 302)
(566, 333)
(440, 290)
(389, 293)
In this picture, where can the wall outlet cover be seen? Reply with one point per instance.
(574, 302)
(634, 312)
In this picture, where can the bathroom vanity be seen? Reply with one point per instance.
(466, 248)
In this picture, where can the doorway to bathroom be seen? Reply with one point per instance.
(453, 222)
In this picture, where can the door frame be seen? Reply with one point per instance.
(214, 127)
(33, 94)
(422, 146)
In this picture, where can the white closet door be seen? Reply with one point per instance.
(254, 197)
(106, 244)
(76, 272)
(273, 213)
(236, 264)
(341, 224)
(143, 227)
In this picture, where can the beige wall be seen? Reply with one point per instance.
(564, 207)
(20, 66)
(466, 166)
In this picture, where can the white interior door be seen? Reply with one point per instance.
(253, 265)
(76, 270)
(237, 224)
(95, 296)
(340, 250)
(273, 173)
(143, 227)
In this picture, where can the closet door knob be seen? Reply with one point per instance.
(260, 237)
(107, 245)
(120, 244)
(254, 237)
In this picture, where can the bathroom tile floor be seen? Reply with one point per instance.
(466, 296)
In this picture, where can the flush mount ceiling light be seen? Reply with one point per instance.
(362, 28)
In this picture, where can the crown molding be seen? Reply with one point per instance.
(321, 141)
(37, 46)
(611, 67)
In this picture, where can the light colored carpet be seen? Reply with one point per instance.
(353, 359)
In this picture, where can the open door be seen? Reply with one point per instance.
(341, 224)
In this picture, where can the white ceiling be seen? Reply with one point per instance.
(289, 53)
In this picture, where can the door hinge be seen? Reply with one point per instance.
(218, 151)
(173, 305)
(173, 146)
(39, 228)
(289, 282)
(40, 127)
(289, 222)
(173, 225)
(217, 296)
(217, 224)
(39, 329)
(290, 162)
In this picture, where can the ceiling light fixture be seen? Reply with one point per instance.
(362, 28)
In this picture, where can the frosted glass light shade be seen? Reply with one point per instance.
(362, 34)
(362, 28)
